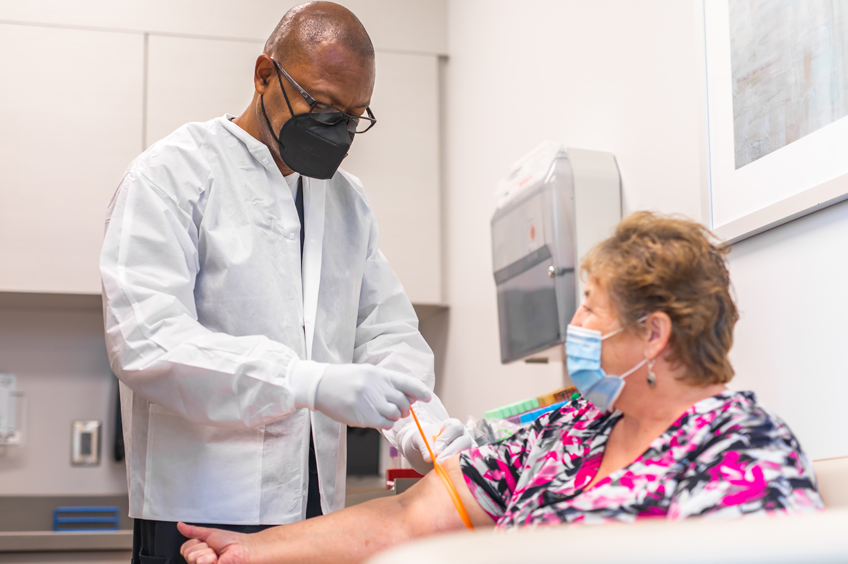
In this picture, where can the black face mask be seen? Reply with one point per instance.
(309, 147)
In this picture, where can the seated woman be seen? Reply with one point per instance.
(670, 440)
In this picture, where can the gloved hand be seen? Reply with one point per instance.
(362, 395)
(453, 438)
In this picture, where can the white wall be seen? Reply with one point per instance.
(623, 77)
(616, 76)
(60, 360)
(792, 290)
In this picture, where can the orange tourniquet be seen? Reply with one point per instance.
(443, 475)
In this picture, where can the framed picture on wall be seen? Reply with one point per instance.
(777, 111)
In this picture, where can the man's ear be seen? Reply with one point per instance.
(263, 73)
(658, 333)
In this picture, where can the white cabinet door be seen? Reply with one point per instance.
(398, 162)
(196, 80)
(72, 120)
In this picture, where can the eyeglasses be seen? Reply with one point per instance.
(330, 115)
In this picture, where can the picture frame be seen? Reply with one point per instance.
(743, 195)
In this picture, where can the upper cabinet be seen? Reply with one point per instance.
(81, 104)
(398, 160)
(72, 120)
(196, 80)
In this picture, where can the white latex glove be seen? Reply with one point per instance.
(362, 395)
(454, 438)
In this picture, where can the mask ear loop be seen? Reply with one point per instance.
(648, 361)
(280, 80)
(265, 114)
(634, 369)
(285, 96)
(620, 329)
(612, 334)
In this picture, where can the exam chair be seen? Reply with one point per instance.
(816, 539)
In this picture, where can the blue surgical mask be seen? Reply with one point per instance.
(583, 350)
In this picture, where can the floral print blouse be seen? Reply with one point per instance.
(725, 456)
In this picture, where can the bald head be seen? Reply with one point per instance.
(306, 28)
(326, 57)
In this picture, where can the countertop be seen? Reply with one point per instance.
(25, 521)
(50, 541)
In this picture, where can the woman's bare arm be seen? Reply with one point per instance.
(348, 536)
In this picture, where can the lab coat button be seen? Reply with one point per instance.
(291, 236)
(307, 320)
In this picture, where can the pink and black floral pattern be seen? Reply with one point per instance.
(725, 456)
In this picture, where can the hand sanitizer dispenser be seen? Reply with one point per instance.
(554, 205)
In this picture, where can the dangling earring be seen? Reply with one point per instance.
(652, 378)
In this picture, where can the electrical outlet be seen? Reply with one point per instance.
(85, 443)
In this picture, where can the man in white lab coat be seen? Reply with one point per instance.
(249, 313)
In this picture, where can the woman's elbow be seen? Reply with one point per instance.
(428, 508)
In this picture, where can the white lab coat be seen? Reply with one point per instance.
(207, 314)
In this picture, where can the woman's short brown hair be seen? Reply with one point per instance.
(663, 263)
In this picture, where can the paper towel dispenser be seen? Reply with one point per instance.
(552, 208)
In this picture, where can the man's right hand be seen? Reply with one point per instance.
(363, 395)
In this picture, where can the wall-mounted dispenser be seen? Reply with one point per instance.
(554, 205)
(12, 412)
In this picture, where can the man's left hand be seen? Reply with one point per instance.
(447, 439)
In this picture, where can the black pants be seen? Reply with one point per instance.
(159, 542)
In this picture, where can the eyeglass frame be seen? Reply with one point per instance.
(313, 102)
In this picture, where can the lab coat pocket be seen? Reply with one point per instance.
(196, 471)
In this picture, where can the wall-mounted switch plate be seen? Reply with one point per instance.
(85, 443)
